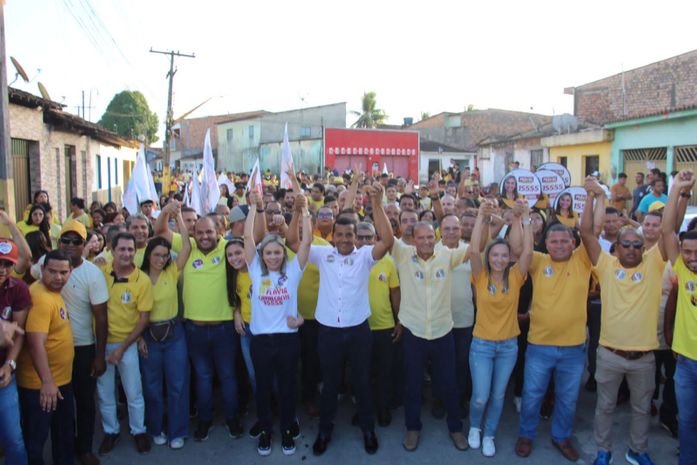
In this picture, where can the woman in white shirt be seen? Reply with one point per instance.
(274, 323)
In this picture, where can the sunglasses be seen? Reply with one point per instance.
(325, 215)
(636, 244)
(68, 241)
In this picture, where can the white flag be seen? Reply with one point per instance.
(286, 161)
(255, 179)
(196, 200)
(210, 192)
(140, 187)
(384, 169)
(187, 200)
(223, 179)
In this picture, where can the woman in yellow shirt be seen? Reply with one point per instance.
(36, 221)
(497, 282)
(565, 211)
(163, 351)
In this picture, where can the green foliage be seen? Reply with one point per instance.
(369, 116)
(425, 115)
(129, 115)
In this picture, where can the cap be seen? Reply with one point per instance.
(657, 205)
(76, 227)
(338, 181)
(237, 215)
(9, 251)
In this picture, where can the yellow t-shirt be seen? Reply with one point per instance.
(558, 312)
(25, 228)
(84, 219)
(308, 289)
(128, 297)
(570, 222)
(685, 332)
(244, 291)
(497, 311)
(318, 203)
(383, 277)
(48, 315)
(205, 282)
(165, 298)
(630, 299)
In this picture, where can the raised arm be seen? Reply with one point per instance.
(436, 204)
(260, 226)
(250, 246)
(669, 314)
(24, 262)
(683, 180)
(353, 189)
(161, 227)
(483, 216)
(382, 223)
(598, 215)
(186, 243)
(306, 242)
(515, 237)
(590, 240)
(525, 258)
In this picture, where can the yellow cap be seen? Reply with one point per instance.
(76, 227)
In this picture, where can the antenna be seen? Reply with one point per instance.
(19, 71)
(44, 92)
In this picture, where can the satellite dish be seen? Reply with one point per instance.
(44, 92)
(20, 71)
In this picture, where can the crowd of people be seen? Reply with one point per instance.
(350, 285)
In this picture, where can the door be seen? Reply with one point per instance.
(356, 164)
(399, 166)
(639, 160)
(433, 167)
(70, 180)
(20, 174)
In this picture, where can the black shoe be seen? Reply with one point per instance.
(202, 429)
(321, 443)
(370, 441)
(591, 385)
(108, 443)
(193, 411)
(255, 430)
(295, 429)
(143, 445)
(384, 417)
(671, 426)
(264, 446)
(287, 442)
(437, 409)
(235, 429)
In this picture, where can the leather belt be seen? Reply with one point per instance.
(628, 354)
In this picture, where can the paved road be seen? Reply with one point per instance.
(435, 446)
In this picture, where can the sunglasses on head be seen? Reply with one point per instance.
(627, 244)
(68, 241)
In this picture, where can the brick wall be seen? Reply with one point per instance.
(654, 88)
(490, 123)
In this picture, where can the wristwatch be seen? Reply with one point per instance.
(686, 195)
(13, 365)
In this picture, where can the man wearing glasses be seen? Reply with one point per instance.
(85, 297)
(631, 297)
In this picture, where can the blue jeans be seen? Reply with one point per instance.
(10, 430)
(213, 350)
(491, 364)
(129, 371)
(166, 363)
(566, 362)
(686, 393)
(441, 352)
(246, 346)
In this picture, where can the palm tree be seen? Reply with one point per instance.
(369, 117)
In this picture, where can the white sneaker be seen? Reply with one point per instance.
(160, 439)
(176, 443)
(488, 447)
(473, 438)
(518, 402)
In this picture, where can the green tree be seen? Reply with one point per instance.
(470, 107)
(425, 115)
(129, 115)
(369, 116)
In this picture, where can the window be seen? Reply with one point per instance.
(228, 135)
(563, 161)
(453, 121)
(592, 163)
(536, 157)
(251, 132)
(305, 131)
(98, 166)
(116, 171)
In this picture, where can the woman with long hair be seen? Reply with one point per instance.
(494, 348)
(275, 321)
(509, 194)
(564, 211)
(162, 347)
(37, 221)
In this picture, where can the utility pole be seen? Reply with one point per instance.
(7, 187)
(169, 118)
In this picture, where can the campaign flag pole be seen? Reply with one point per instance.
(210, 192)
(286, 161)
(140, 187)
(254, 182)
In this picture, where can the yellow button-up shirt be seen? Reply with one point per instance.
(425, 307)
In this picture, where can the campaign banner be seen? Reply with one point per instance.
(559, 169)
(524, 183)
(578, 198)
(552, 183)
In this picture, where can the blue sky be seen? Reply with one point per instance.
(275, 55)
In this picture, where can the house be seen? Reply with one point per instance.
(437, 157)
(582, 152)
(244, 139)
(63, 154)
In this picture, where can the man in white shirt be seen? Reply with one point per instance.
(342, 312)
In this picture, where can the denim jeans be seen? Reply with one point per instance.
(213, 351)
(10, 429)
(566, 362)
(129, 372)
(463, 377)
(166, 364)
(276, 358)
(245, 346)
(686, 393)
(491, 364)
(441, 353)
(37, 423)
(335, 347)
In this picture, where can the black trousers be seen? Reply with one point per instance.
(309, 357)
(669, 406)
(336, 346)
(84, 387)
(383, 361)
